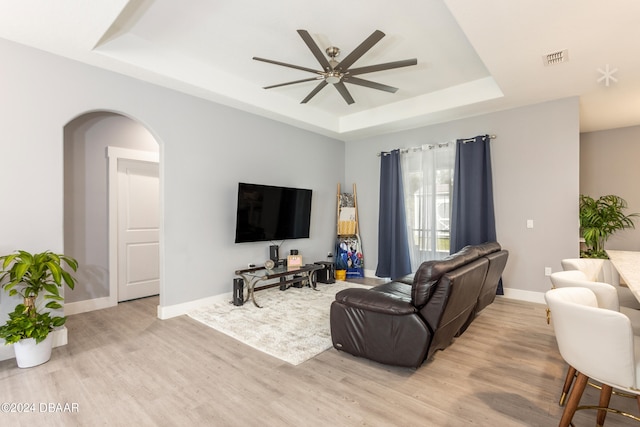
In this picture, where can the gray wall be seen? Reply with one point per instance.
(535, 171)
(205, 150)
(609, 165)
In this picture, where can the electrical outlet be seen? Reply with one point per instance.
(547, 271)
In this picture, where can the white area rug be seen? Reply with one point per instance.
(292, 325)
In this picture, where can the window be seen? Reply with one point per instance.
(428, 186)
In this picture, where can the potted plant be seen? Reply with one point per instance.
(37, 278)
(599, 219)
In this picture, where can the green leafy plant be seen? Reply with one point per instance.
(24, 323)
(30, 276)
(599, 219)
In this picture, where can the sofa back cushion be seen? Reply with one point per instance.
(453, 300)
(497, 263)
(430, 272)
(487, 248)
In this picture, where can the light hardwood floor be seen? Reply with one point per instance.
(125, 367)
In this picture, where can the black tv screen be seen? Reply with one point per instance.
(267, 212)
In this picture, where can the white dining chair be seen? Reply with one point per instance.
(601, 270)
(606, 294)
(606, 297)
(599, 343)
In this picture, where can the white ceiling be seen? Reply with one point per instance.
(473, 56)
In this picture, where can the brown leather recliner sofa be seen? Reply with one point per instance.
(405, 322)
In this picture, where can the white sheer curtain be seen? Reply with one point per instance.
(427, 174)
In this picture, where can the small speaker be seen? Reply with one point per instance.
(273, 253)
(238, 291)
(327, 274)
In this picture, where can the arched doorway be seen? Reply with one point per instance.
(94, 144)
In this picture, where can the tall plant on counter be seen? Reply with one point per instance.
(599, 219)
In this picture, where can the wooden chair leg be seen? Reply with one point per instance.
(571, 373)
(574, 399)
(605, 397)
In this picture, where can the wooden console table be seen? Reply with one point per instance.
(288, 276)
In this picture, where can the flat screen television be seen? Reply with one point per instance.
(266, 212)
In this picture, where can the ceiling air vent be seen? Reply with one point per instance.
(556, 57)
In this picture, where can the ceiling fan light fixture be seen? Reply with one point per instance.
(333, 77)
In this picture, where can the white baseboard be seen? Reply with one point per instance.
(519, 294)
(88, 305)
(59, 337)
(167, 312)
(370, 273)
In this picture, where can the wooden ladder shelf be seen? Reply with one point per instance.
(349, 257)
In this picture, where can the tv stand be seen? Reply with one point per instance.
(305, 274)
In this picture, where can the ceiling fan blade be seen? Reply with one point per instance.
(311, 44)
(284, 64)
(372, 85)
(344, 92)
(360, 50)
(381, 67)
(313, 93)
(294, 82)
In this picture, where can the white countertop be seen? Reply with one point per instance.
(628, 265)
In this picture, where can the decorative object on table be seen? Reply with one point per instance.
(36, 278)
(274, 253)
(294, 260)
(349, 255)
(269, 264)
(599, 219)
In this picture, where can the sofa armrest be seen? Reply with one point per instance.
(379, 302)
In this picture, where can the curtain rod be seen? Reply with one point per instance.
(431, 146)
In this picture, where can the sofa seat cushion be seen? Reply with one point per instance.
(390, 298)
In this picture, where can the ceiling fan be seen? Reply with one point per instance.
(339, 73)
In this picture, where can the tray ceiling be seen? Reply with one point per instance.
(473, 57)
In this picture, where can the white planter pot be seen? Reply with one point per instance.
(29, 354)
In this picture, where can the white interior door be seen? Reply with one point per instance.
(138, 229)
